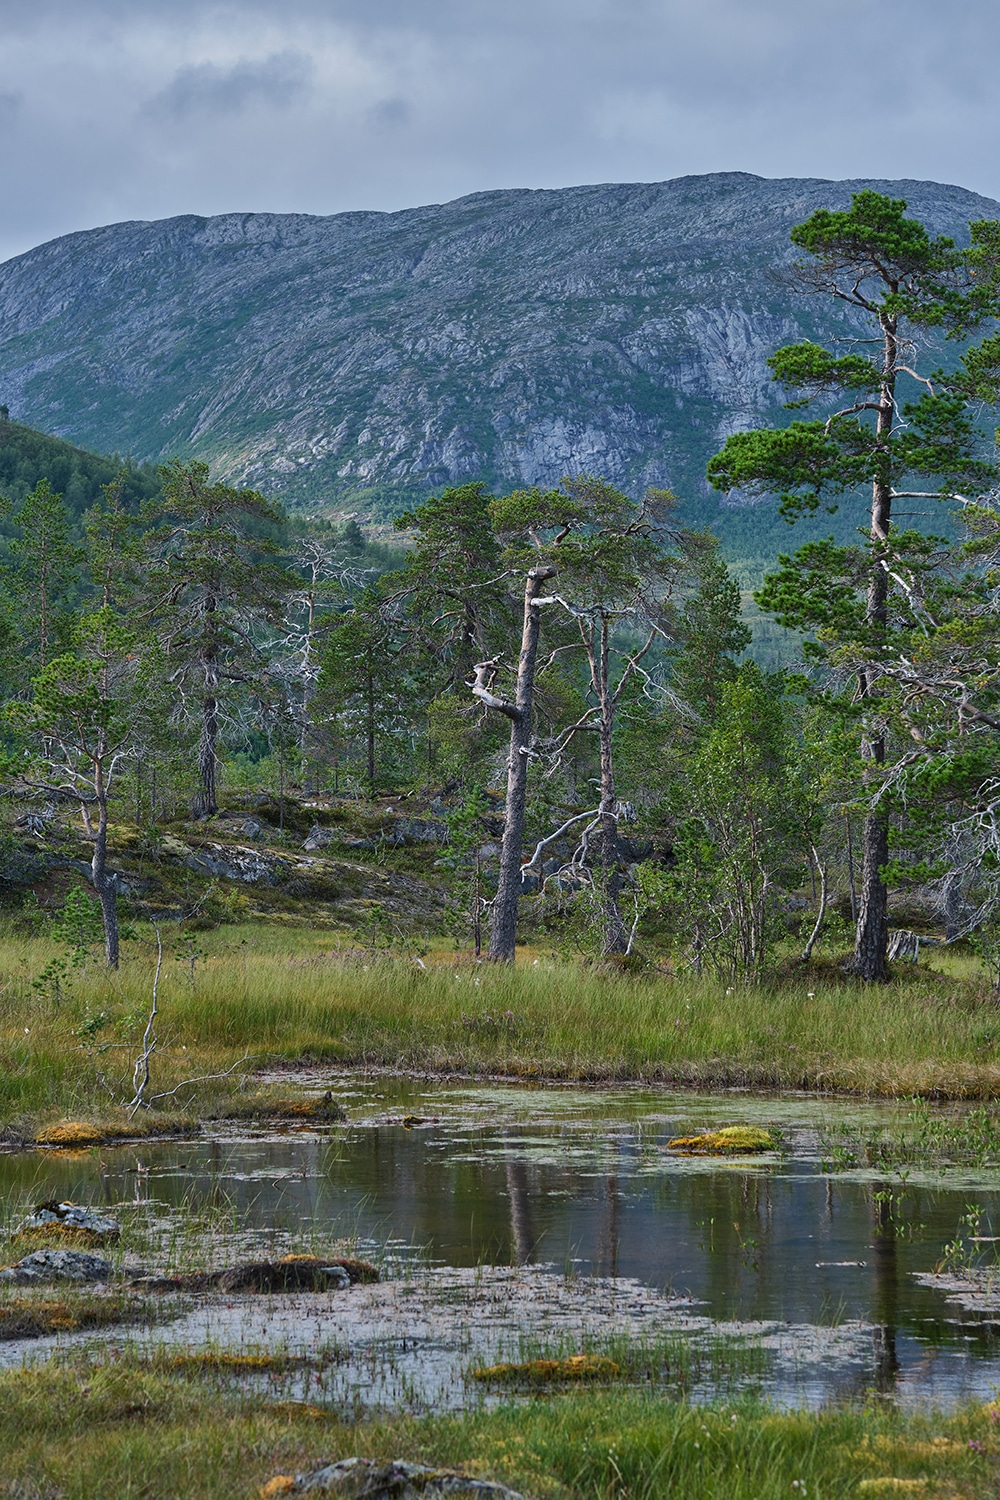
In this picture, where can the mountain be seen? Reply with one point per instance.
(356, 361)
(27, 456)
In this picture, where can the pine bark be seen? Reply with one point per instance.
(503, 927)
(100, 879)
(872, 934)
(615, 939)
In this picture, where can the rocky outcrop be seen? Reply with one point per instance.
(365, 1479)
(56, 1265)
(362, 358)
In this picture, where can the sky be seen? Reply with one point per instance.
(142, 109)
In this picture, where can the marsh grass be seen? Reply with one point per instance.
(919, 1137)
(268, 995)
(30, 1313)
(673, 1362)
(120, 1428)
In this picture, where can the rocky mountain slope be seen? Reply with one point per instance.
(358, 360)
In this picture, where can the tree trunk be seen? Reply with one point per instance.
(370, 733)
(616, 938)
(103, 884)
(205, 805)
(504, 924)
(872, 935)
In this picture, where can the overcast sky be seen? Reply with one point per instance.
(139, 109)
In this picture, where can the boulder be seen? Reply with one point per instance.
(420, 831)
(234, 863)
(365, 1479)
(74, 1218)
(318, 838)
(56, 1265)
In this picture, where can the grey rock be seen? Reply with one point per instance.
(56, 1265)
(514, 336)
(233, 863)
(421, 831)
(318, 838)
(72, 1216)
(530, 882)
(489, 852)
(364, 1479)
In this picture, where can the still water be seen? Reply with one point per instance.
(582, 1181)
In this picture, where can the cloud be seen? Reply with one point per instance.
(210, 89)
(133, 109)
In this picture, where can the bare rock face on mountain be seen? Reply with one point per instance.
(359, 360)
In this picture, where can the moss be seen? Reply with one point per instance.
(732, 1140)
(31, 1317)
(81, 1134)
(550, 1371)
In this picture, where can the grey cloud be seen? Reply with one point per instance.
(207, 88)
(391, 112)
(323, 105)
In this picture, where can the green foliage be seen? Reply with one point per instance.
(722, 895)
(78, 925)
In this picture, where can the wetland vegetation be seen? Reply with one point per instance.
(272, 798)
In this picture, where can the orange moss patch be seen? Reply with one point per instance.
(29, 1318)
(546, 1371)
(71, 1133)
(733, 1140)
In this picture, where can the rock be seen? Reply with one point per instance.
(233, 863)
(530, 883)
(318, 838)
(56, 1265)
(420, 831)
(364, 1479)
(74, 1218)
(489, 852)
(251, 829)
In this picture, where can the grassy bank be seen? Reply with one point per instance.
(122, 1429)
(256, 995)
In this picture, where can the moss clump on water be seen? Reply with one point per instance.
(550, 1371)
(732, 1140)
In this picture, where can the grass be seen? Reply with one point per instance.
(267, 994)
(671, 1363)
(122, 1428)
(36, 1312)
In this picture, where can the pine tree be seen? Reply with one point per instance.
(897, 278)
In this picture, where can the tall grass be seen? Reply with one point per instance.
(283, 996)
(118, 1429)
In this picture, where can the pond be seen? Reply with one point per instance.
(571, 1182)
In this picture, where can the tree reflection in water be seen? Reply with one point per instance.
(885, 1293)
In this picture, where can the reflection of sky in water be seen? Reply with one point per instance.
(582, 1180)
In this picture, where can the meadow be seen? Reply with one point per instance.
(253, 996)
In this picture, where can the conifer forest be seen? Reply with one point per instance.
(559, 686)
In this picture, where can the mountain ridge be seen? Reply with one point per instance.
(354, 361)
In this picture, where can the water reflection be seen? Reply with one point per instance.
(590, 1186)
